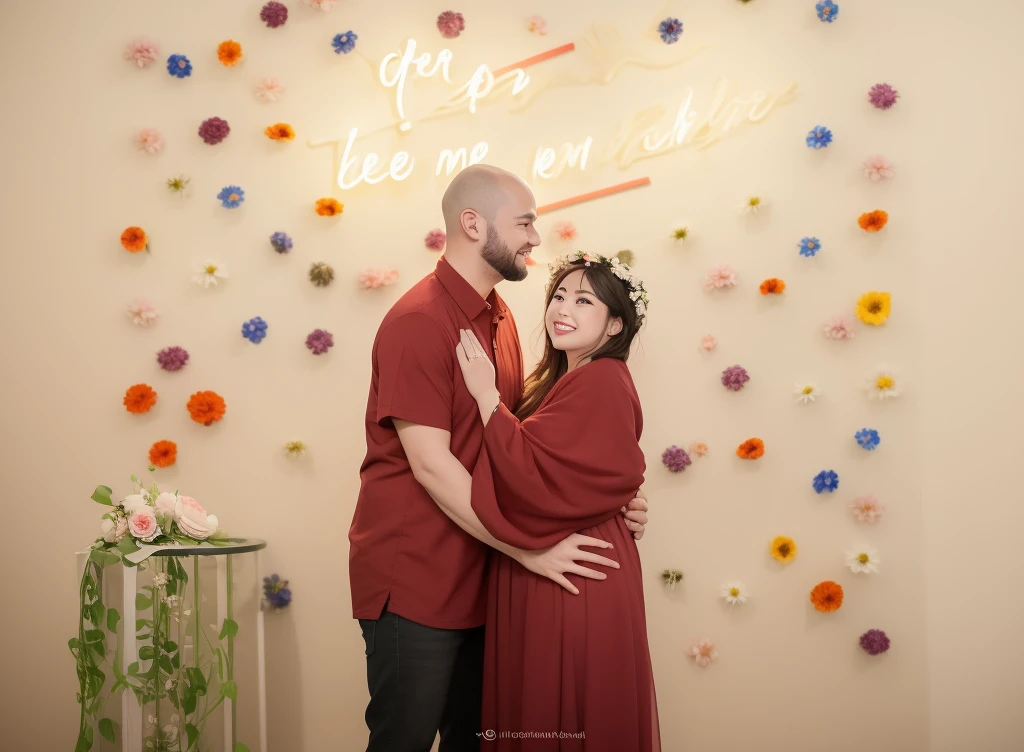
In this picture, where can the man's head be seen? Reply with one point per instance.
(491, 213)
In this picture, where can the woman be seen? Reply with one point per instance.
(565, 671)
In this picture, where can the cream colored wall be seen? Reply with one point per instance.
(788, 678)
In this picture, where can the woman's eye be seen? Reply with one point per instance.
(583, 300)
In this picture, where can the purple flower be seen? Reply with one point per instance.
(319, 341)
(735, 377)
(276, 591)
(274, 14)
(670, 29)
(874, 641)
(826, 480)
(172, 358)
(435, 240)
(214, 130)
(883, 96)
(281, 242)
(676, 459)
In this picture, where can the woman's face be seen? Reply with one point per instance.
(577, 322)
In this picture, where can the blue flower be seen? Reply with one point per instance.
(178, 65)
(826, 480)
(254, 330)
(809, 247)
(344, 42)
(231, 197)
(819, 138)
(276, 591)
(281, 242)
(827, 11)
(867, 438)
(670, 29)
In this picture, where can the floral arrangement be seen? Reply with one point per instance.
(637, 293)
(676, 459)
(827, 596)
(150, 516)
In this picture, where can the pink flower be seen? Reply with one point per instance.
(324, 5)
(270, 89)
(450, 24)
(143, 312)
(435, 239)
(142, 52)
(722, 275)
(705, 652)
(565, 230)
(840, 327)
(371, 279)
(537, 25)
(193, 519)
(708, 343)
(867, 508)
(698, 449)
(883, 96)
(149, 140)
(142, 524)
(877, 168)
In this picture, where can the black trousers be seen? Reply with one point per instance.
(422, 680)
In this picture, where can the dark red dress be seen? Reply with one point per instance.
(563, 671)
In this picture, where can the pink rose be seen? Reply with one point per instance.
(142, 524)
(193, 519)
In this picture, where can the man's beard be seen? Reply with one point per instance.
(501, 258)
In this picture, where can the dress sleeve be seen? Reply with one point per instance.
(573, 464)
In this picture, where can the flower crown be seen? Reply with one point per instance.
(637, 293)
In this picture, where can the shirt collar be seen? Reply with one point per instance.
(465, 296)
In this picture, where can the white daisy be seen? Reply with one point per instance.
(866, 561)
(734, 593)
(884, 382)
(806, 393)
(210, 273)
(752, 204)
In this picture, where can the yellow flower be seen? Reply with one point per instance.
(874, 307)
(783, 549)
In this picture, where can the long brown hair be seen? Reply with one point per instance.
(553, 365)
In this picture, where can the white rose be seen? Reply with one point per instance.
(107, 528)
(133, 502)
(193, 519)
(165, 503)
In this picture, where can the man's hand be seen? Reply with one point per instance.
(559, 560)
(636, 515)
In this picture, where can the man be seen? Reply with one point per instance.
(418, 552)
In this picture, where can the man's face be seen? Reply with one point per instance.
(512, 235)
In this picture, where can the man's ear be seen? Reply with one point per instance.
(472, 224)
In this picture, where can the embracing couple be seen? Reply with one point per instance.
(483, 499)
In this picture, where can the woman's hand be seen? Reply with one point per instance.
(478, 372)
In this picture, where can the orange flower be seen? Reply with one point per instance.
(873, 221)
(772, 286)
(280, 132)
(328, 207)
(206, 407)
(163, 453)
(750, 449)
(139, 398)
(134, 239)
(827, 596)
(229, 53)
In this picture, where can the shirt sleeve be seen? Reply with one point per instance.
(571, 465)
(415, 373)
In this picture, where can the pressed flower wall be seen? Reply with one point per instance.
(235, 289)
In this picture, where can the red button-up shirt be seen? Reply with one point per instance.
(402, 546)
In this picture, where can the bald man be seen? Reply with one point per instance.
(418, 552)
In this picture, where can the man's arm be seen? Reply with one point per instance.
(451, 486)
